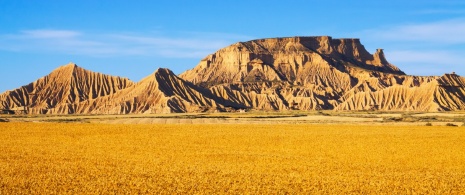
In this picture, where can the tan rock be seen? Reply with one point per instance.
(310, 73)
(58, 91)
(294, 73)
(160, 92)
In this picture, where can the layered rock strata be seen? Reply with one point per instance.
(294, 73)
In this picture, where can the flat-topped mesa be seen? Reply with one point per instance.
(291, 73)
(291, 59)
(350, 48)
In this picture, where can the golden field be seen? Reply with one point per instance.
(71, 158)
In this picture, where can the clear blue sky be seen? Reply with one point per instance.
(133, 38)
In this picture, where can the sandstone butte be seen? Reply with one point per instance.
(293, 73)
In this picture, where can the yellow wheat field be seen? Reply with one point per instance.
(58, 158)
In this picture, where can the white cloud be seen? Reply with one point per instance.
(423, 48)
(441, 32)
(56, 41)
(49, 34)
(166, 42)
(194, 45)
(441, 11)
(430, 57)
(427, 62)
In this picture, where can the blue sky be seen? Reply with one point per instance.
(133, 38)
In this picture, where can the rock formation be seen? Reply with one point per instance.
(58, 91)
(294, 73)
(311, 73)
(161, 92)
(294, 59)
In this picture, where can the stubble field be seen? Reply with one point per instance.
(72, 158)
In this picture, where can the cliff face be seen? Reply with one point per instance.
(311, 73)
(295, 73)
(294, 59)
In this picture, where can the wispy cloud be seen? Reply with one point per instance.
(191, 45)
(49, 34)
(428, 62)
(166, 42)
(429, 56)
(423, 48)
(443, 32)
(440, 11)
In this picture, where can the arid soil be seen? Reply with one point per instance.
(275, 74)
(327, 117)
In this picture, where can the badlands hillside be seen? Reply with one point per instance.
(294, 73)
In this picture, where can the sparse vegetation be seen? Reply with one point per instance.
(393, 119)
(429, 124)
(60, 158)
(451, 124)
(66, 120)
(323, 113)
(317, 116)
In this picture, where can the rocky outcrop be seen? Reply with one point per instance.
(428, 94)
(58, 91)
(311, 73)
(294, 59)
(294, 73)
(161, 92)
(72, 90)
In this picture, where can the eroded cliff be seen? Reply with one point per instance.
(63, 87)
(294, 73)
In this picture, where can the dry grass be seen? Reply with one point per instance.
(49, 158)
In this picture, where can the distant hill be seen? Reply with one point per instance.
(160, 92)
(58, 92)
(293, 73)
